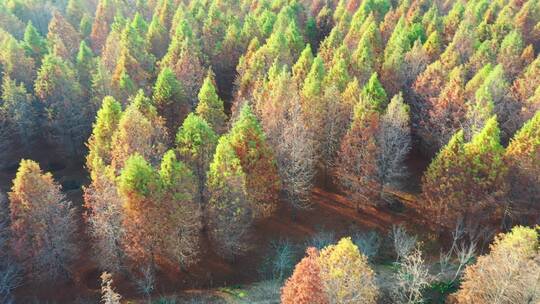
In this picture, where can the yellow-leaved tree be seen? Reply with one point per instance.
(346, 274)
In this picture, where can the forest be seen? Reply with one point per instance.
(270, 151)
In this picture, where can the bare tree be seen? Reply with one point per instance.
(296, 156)
(411, 279)
(403, 242)
(510, 273)
(104, 218)
(277, 103)
(146, 279)
(368, 243)
(332, 126)
(108, 294)
(394, 140)
(462, 251)
(10, 272)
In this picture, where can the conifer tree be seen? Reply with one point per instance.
(302, 67)
(180, 216)
(523, 157)
(312, 87)
(102, 24)
(442, 183)
(63, 38)
(157, 37)
(210, 106)
(184, 59)
(525, 85)
(229, 209)
(100, 141)
(510, 54)
(74, 12)
(19, 110)
(195, 143)
(257, 162)
(43, 224)
(139, 130)
(351, 96)
(85, 64)
(34, 44)
(134, 59)
(373, 94)
(446, 113)
(138, 187)
(58, 88)
(170, 99)
(15, 63)
(356, 167)
(305, 286)
(467, 179)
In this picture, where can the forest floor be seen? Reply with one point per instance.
(331, 213)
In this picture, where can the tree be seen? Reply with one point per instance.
(108, 294)
(394, 141)
(510, 54)
(34, 44)
(85, 64)
(137, 186)
(43, 224)
(20, 111)
(257, 161)
(160, 219)
(374, 95)
(180, 214)
(183, 58)
(523, 158)
(278, 103)
(100, 141)
(357, 158)
(229, 209)
(412, 278)
(134, 59)
(446, 113)
(302, 67)
(466, 179)
(508, 274)
(346, 274)
(157, 37)
(210, 106)
(10, 272)
(64, 40)
(139, 130)
(104, 216)
(170, 100)
(102, 22)
(57, 86)
(442, 183)
(296, 158)
(196, 143)
(15, 63)
(305, 286)
(312, 87)
(328, 123)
